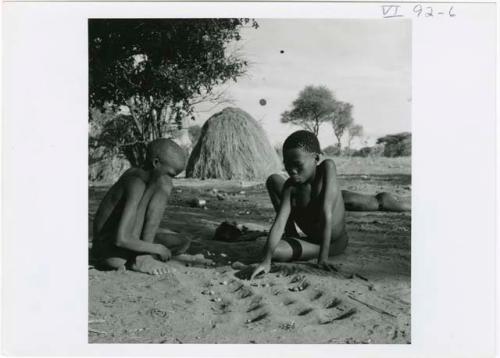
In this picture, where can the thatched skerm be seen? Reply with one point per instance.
(232, 145)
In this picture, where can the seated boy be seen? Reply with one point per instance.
(312, 199)
(128, 218)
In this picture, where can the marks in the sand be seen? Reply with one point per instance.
(286, 301)
(255, 307)
(260, 317)
(317, 296)
(305, 311)
(333, 303)
(341, 316)
(156, 312)
(246, 292)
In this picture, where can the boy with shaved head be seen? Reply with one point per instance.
(127, 221)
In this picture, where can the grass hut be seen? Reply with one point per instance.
(232, 145)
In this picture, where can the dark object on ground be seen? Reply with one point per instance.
(233, 232)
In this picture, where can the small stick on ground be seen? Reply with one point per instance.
(376, 309)
(96, 331)
(97, 321)
(361, 277)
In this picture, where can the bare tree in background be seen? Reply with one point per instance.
(355, 130)
(341, 120)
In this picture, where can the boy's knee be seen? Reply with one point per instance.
(164, 185)
(279, 256)
(384, 199)
(184, 246)
(273, 181)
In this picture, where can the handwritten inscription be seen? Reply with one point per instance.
(418, 10)
(389, 11)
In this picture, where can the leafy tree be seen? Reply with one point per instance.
(396, 145)
(313, 106)
(341, 120)
(355, 130)
(154, 71)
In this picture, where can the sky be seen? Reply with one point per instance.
(364, 62)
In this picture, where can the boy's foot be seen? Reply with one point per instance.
(147, 264)
(198, 259)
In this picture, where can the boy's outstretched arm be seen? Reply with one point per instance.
(331, 194)
(275, 234)
(134, 190)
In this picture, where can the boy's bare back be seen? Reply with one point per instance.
(111, 208)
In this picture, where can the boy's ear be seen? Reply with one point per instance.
(155, 162)
(317, 157)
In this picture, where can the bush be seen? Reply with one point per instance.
(375, 151)
(396, 145)
(332, 151)
(348, 152)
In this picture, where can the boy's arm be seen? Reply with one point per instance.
(276, 232)
(134, 190)
(279, 224)
(330, 197)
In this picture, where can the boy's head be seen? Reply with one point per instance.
(301, 154)
(165, 156)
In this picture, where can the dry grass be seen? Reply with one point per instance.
(372, 165)
(232, 145)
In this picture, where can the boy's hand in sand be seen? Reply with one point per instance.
(164, 253)
(323, 265)
(262, 268)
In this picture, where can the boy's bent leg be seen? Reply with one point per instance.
(110, 256)
(359, 202)
(293, 249)
(117, 258)
(389, 202)
(154, 213)
(274, 185)
(176, 243)
(338, 244)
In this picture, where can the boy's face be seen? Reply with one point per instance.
(300, 164)
(170, 168)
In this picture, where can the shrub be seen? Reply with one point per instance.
(375, 151)
(332, 151)
(396, 145)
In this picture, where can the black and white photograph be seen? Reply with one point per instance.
(249, 181)
(242, 179)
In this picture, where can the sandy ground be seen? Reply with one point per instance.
(366, 300)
